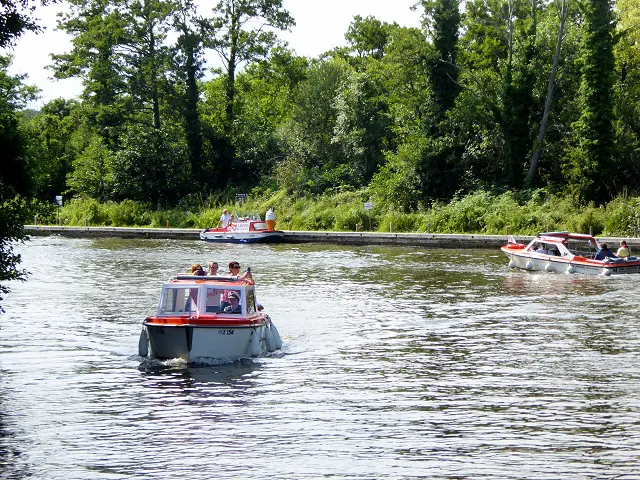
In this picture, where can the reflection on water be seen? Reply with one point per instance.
(397, 363)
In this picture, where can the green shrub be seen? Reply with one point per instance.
(480, 212)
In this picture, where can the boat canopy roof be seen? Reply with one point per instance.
(562, 237)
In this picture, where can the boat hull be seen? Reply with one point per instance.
(242, 237)
(550, 263)
(192, 343)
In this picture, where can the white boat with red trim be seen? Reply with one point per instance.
(250, 229)
(208, 317)
(565, 252)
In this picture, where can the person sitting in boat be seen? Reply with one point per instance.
(225, 218)
(624, 250)
(234, 300)
(604, 252)
(213, 268)
(196, 269)
(234, 271)
(544, 249)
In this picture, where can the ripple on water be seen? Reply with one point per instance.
(397, 363)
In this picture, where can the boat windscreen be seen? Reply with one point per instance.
(251, 301)
(179, 300)
(583, 248)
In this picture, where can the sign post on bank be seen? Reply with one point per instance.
(59, 202)
(368, 206)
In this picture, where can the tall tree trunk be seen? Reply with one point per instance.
(563, 9)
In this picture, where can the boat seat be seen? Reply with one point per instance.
(213, 308)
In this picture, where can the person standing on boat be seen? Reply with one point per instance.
(624, 250)
(604, 252)
(270, 218)
(225, 218)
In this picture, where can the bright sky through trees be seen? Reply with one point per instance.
(320, 26)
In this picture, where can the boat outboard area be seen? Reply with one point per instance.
(203, 318)
(565, 252)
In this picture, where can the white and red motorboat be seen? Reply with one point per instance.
(208, 317)
(249, 229)
(566, 252)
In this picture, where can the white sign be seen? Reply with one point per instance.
(59, 199)
(368, 206)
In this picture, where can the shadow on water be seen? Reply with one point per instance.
(236, 372)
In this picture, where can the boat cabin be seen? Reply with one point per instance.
(562, 244)
(193, 295)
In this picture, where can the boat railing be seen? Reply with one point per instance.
(188, 276)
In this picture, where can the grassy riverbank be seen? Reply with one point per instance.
(480, 213)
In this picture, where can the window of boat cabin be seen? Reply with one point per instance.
(179, 300)
(214, 298)
(224, 300)
(583, 248)
(251, 301)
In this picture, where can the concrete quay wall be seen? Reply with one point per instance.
(429, 240)
(340, 238)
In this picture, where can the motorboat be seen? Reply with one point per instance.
(208, 317)
(565, 252)
(249, 229)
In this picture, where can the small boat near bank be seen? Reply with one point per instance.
(565, 252)
(208, 317)
(250, 229)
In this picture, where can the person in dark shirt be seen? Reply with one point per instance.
(234, 300)
(604, 252)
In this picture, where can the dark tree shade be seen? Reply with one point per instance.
(593, 157)
(444, 19)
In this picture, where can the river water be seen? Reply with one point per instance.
(398, 363)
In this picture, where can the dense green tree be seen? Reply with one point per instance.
(562, 7)
(122, 52)
(50, 146)
(15, 181)
(243, 31)
(16, 17)
(442, 22)
(264, 102)
(362, 130)
(397, 184)
(368, 37)
(627, 94)
(313, 162)
(188, 63)
(593, 159)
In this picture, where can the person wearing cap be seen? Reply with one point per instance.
(234, 300)
(624, 250)
(225, 218)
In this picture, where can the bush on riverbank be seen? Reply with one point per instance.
(481, 212)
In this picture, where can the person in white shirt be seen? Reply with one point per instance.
(225, 218)
(213, 269)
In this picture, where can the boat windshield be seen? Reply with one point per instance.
(179, 300)
(581, 247)
(251, 301)
(182, 299)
